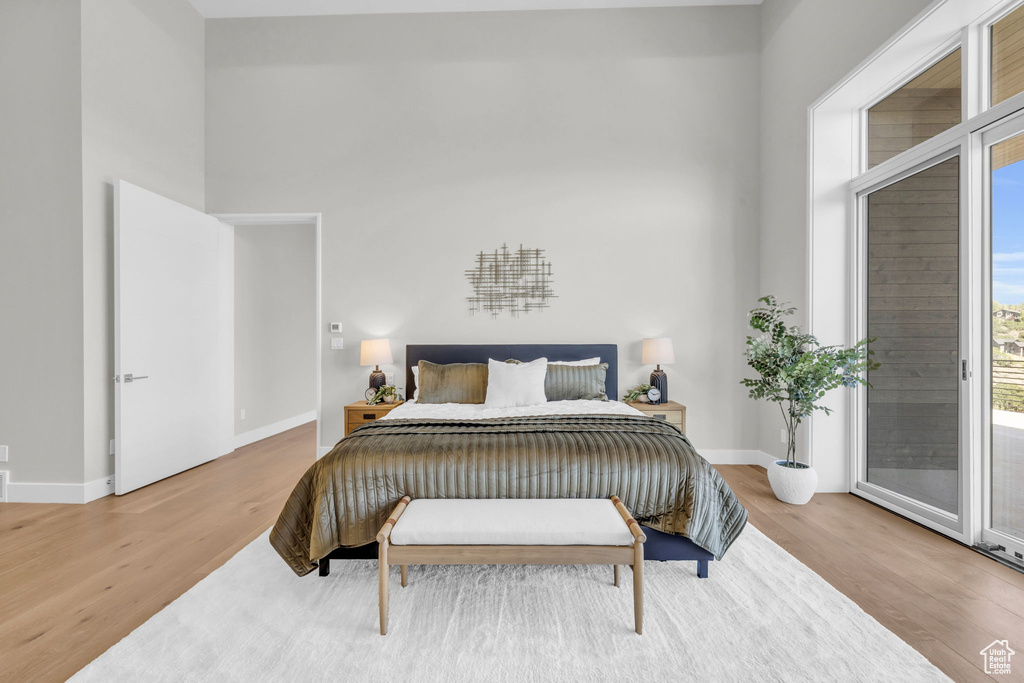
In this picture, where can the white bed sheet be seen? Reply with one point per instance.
(479, 411)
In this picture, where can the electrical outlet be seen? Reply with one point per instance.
(389, 377)
(242, 414)
(337, 343)
(783, 436)
(3, 453)
(113, 447)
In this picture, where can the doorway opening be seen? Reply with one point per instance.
(277, 335)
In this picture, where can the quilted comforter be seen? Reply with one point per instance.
(346, 496)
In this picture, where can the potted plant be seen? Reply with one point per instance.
(387, 393)
(796, 371)
(637, 393)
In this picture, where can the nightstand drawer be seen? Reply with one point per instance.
(357, 414)
(360, 417)
(673, 416)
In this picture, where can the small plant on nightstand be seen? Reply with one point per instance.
(386, 394)
(636, 392)
(796, 371)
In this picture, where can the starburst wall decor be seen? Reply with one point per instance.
(504, 281)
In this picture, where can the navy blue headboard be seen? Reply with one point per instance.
(479, 353)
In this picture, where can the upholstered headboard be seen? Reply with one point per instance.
(479, 353)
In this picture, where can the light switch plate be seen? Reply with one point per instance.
(113, 447)
(3, 453)
(337, 343)
(389, 377)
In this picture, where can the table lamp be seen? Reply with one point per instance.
(655, 352)
(374, 352)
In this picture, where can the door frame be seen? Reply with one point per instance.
(1004, 129)
(958, 526)
(314, 219)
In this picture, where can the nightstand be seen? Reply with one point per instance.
(358, 413)
(670, 411)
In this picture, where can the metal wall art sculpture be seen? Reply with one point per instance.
(504, 281)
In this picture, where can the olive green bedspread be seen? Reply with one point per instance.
(346, 496)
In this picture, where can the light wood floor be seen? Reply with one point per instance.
(75, 579)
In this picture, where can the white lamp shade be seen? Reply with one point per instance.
(657, 351)
(375, 352)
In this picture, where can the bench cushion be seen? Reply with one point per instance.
(511, 522)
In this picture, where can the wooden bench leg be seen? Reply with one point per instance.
(325, 566)
(616, 575)
(702, 569)
(383, 567)
(638, 587)
(405, 575)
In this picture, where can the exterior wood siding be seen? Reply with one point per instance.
(913, 312)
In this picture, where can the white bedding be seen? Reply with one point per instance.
(479, 411)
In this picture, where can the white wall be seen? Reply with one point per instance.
(624, 142)
(142, 120)
(275, 324)
(41, 240)
(806, 47)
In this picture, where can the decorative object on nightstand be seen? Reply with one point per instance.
(655, 352)
(669, 411)
(359, 413)
(374, 352)
(637, 394)
(387, 393)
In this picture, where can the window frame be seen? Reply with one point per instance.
(978, 117)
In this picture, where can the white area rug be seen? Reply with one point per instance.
(760, 616)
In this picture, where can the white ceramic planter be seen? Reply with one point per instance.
(792, 485)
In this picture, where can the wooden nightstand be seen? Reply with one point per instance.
(358, 413)
(672, 412)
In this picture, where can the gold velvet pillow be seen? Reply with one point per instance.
(452, 382)
(575, 382)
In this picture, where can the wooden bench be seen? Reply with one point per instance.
(507, 531)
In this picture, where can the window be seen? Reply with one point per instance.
(918, 111)
(1008, 56)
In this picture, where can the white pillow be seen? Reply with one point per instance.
(586, 361)
(415, 382)
(510, 385)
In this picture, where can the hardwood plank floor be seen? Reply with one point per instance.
(945, 600)
(75, 579)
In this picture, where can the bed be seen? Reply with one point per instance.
(561, 449)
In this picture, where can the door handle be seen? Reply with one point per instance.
(129, 378)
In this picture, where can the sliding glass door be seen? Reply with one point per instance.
(1004, 460)
(912, 243)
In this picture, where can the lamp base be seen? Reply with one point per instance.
(377, 379)
(659, 380)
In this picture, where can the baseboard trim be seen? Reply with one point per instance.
(66, 494)
(736, 457)
(254, 435)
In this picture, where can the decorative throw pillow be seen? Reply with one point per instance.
(575, 382)
(510, 384)
(596, 360)
(451, 383)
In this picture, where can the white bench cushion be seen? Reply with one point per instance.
(511, 522)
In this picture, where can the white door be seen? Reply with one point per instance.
(172, 337)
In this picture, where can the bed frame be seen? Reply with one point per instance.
(659, 546)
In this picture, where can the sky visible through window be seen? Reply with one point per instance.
(1008, 234)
